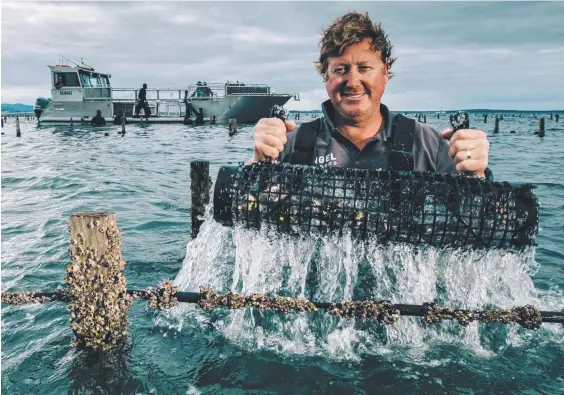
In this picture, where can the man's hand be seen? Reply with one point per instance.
(270, 137)
(469, 149)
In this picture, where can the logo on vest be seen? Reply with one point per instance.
(328, 160)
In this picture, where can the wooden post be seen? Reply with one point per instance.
(2, 120)
(556, 116)
(496, 127)
(541, 127)
(551, 116)
(71, 122)
(98, 313)
(485, 118)
(200, 187)
(18, 131)
(123, 124)
(424, 118)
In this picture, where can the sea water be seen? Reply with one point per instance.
(51, 172)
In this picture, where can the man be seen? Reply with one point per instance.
(142, 102)
(357, 130)
(98, 120)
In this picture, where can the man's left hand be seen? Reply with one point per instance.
(469, 149)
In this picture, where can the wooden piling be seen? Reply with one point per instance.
(485, 118)
(556, 116)
(71, 122)
(424, 118)
(496, 127)
(200, 187)
(123, 124)
(541, 127)
(96, 283)
(18, 131)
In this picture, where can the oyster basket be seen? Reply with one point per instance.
(404, 207)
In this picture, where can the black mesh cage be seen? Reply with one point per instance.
(411, 207)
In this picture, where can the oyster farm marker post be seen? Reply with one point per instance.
(200, 187)
(96, 283)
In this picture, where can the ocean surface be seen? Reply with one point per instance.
(52, 172)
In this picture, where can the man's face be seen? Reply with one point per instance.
(356, 81)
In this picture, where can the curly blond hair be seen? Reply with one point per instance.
(350, 29)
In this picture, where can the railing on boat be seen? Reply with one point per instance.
(170, 102)
(97, 93)
(194, 92)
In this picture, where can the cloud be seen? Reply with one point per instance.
(450, 54)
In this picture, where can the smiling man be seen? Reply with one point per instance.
(357, 130)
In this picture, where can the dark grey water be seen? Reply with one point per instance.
(50, 173)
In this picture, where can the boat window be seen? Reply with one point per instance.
(66, 79)
(94, 80)
(99, 81)
(85, 79)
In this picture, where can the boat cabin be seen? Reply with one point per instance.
(79, 84)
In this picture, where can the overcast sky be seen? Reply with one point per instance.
(451, 55)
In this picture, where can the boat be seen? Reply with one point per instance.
(78, 91)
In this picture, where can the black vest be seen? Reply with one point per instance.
(400, 155)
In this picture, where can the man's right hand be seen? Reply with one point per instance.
(270, 137)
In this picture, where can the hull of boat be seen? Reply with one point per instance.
(63, 113)
(246, 109)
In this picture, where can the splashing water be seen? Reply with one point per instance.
(330, 269)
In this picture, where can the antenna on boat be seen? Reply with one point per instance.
(76, 63)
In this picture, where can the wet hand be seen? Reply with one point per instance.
(469, 149)
(270, 137)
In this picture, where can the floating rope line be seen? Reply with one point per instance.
(26, 297)
(160, 298)
(527, 316)
(383, 311)
(210, 299)
(167, 296)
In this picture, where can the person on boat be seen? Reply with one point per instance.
(357, 129)
(200, 116)
(142, 103)
(98, 120)
(118, 119)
